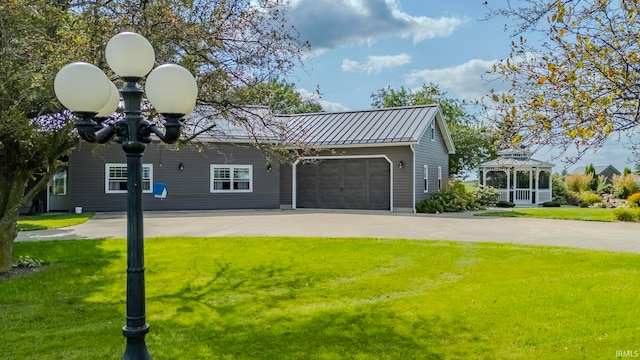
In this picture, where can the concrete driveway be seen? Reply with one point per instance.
(464, 227)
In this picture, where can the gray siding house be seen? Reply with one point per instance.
(382, 159)
(224, 176)
(606, 170)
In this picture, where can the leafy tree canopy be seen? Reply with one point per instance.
(226, 44)
(580, 83)
(280, 96)
(473, 143)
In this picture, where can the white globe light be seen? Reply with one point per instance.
(82, 87)
(172, 89)
(130, 55)
(112, 105)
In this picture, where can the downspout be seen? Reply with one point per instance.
(294, 168)
(413, 179)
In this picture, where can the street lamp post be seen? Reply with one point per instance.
(86, 90)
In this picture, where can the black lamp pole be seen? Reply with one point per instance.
(133, 132)
(172, 90)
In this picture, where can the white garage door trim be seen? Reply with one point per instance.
(295, 171)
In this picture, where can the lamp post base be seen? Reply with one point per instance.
(136, 349)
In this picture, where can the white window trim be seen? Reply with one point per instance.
(231, 168)
(433, 130)
(439, 177)
(106, 178)
(59, 176)
(425, 177)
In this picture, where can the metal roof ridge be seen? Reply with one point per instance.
(357, 111)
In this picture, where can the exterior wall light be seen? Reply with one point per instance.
(86, 90)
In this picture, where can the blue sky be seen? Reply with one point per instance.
(360, 46)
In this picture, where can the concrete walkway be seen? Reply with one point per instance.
(464, 227)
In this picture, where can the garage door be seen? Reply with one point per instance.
(344, 184)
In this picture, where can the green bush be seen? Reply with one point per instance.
(573, 198)
(579, 182)
(588, 198)
(505, 204)
(624, 185)
(454, 198)
(486, 195)
(559, 191)
(626, 214)
(551, 204)
(634, 200)
(28, 262)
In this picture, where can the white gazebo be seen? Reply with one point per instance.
(517, 177)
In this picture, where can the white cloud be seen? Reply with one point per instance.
(375, 64)
(328, 24)
(466, 79)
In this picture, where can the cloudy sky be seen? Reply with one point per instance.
(360, 46)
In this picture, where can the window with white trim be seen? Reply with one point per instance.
(433, 131)
(231, 178)
(59, 183)
(426, 178)
(116, 178)
(439, 177)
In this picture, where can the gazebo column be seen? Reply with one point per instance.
(537, 186)
(509, 190)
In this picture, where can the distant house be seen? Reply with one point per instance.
(606, 170)
(383, 159)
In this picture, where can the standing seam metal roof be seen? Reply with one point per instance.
(376, 126)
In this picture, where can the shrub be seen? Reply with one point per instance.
(588, 198)
(634, 200)
(486, 195)
(579, 182)
(624, 185)
(626, 214)
(454, 198)
(559, 190)
(593, 184)
(505, 204)
(28, 262)
(573, 198)
(551, 204)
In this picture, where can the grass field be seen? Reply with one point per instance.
(51, 221)
(562, 213)
(311, 298)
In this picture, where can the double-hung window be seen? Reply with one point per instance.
(439, 177)
(116, 178)
(231, 178)
(426, 178)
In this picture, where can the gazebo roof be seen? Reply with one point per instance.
(515, 158)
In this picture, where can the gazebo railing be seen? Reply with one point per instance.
(544, 196)
(524, 195)
(503, 194)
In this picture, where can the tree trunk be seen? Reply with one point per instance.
(8, 233)
(12, 189)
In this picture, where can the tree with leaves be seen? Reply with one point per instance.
(227, 45)
(472, 140)
(573, 74)
(280, 96)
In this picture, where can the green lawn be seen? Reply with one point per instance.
(51, 221)
(562, 213)
(301, 298)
